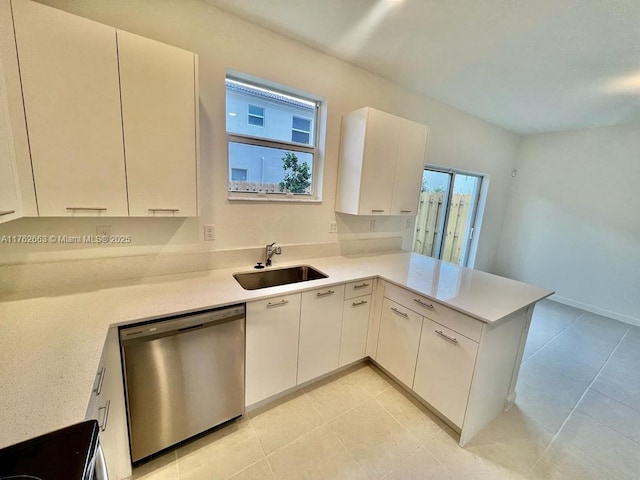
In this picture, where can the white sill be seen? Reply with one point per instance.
(270, 198)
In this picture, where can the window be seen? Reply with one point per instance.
(256, 116)
(301, 130)
(239, 174)
(281, 158)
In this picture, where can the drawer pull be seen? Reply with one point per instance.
(171, 210)
(357, 304)
(406, 211)
(377, 211)
(105, 415)
(446, 337)
(324, 294)
(98, 209)
(404, 314)
(278, 304)
(97, 388)
(362, 285)
(424, 304)
(6, 212)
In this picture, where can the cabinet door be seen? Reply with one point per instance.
(9, 204)
(273, 327)
(379, 163)
(320, 324)
(445, 369)
(159, 120)
(69, 73)
(412, 146)
(398, 341)
(355, 324)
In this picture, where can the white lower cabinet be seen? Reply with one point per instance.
(355, 324)
(444, 370)
(108, 408)
(320, 326)
(272, 331)
(398, 340)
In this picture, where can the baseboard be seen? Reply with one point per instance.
(597, 310)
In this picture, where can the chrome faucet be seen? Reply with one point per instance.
(269, 252)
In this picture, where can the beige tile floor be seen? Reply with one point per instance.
(577, 416)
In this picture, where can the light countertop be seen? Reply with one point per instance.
(51, 344)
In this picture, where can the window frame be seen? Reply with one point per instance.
(253, 115)
(315, 149)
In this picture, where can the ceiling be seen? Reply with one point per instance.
(529, 66)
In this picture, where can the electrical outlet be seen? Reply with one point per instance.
(333, 226)
(209, 233)
(407, 225)
(373, 225)
(104, 230)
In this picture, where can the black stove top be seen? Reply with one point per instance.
(66, 454)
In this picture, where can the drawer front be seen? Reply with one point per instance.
(459, 322)
(358, 289)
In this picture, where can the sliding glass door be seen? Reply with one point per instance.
(446, 215)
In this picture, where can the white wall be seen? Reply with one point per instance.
(573, 219)
(226, 42)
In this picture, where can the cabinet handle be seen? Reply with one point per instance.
(6, 212)
(357, 304)
(424, 304)
(279, 304)
(377, 211)
(362, 285)
(105, 417)
(406, 211)
(99, 209)
(172, 210)
(405, 315)
(446, 337)
(99, 379)
(324, 294)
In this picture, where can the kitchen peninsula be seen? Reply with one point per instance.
(51, 342)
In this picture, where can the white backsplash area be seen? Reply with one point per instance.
(28, 278)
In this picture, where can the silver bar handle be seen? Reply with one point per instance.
(172, 210)
(278, 304)
(406, 211)
(99, 209)
(357, 304)
(376, 211)
(362, 285)
(446, 337)
(105, 417)
(99, 380)
(424, 304)
(324, 294)
(6, 212)
(404, 314)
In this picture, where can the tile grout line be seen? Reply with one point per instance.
(554, 337)
(575, 407)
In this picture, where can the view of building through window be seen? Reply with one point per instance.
(272, 144)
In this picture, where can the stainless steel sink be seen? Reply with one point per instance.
(280, 276)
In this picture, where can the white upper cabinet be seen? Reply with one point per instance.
(69, 73)
(111, 117)
(159, 122)
(381, 162)
(10, 207)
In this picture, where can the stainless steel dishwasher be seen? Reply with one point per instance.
(183, 376)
